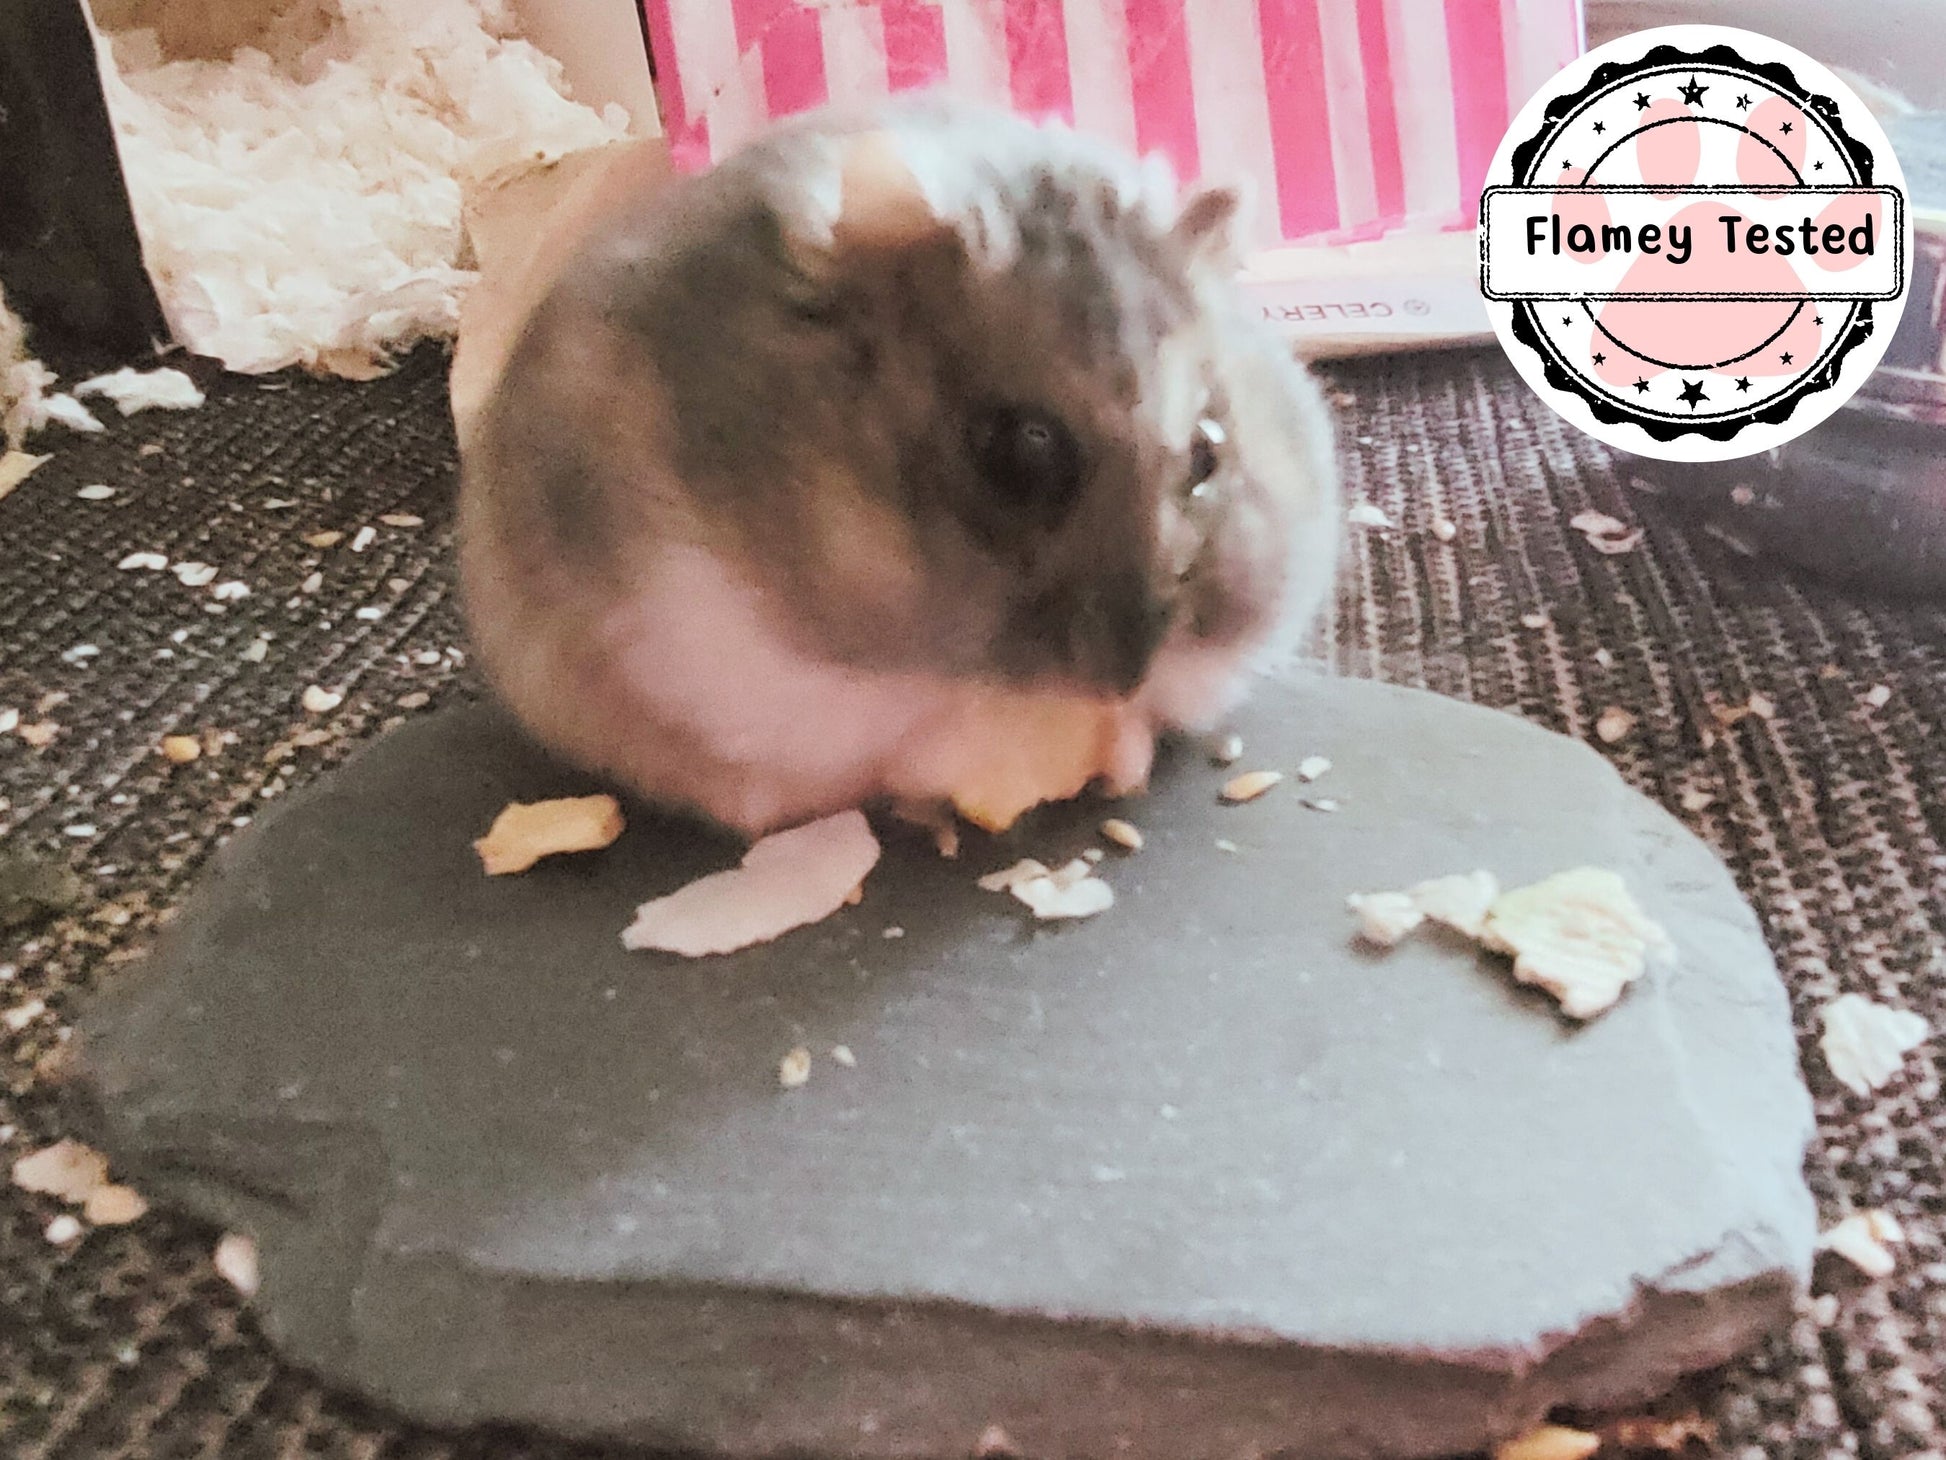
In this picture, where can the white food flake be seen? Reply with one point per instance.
(1865, 1043)
(195, 575)
(1227, 751)
(1613, 724)
(1122, 833)
(1879, 696)
(1606, 534)
(1863, 1239)
(146, 562)
(1579, 935)
(319, 700)
(63, 1230)
(1364, 514)
(1444, 529)
(786, 880)
(842, 1054)
(363, 538)
(1311, 767)
(230, 592)
(1385, 917)
(98, 492)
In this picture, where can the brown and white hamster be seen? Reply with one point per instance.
(814, 468)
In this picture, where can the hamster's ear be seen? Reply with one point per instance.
(1210, 223)
(881, 202)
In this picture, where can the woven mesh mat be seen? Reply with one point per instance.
(126, 1343)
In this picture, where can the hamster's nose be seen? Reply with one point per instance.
(1117, 630)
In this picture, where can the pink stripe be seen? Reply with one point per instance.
(1381, 111)
(1165, 100)
(1479, 67)
(915, 43)
(1037, 59)
(1300, 116)
(688, 136)
(790, 44)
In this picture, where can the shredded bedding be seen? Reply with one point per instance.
(299, 204)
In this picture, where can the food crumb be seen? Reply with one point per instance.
(319, 700)
(994, 1444)
(1865, 1043)
(1311, 767)
(1444, 529)
(235, 1260)
(181, 749)
(1878, 696)
(1365, 514)
(841, 1053)
(1863, 1239)
(1696, 800)
(326, 539)
(402, 519)
(63, 1229)
(795, 1068)
(1549, 1442)
(1227, 751)
(893, 932)
(1613, 724)
(1249, 786)
(1122, 833)
(1224, 844)
(525, 832)
(1533, 620)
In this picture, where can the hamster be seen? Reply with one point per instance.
(811, 471)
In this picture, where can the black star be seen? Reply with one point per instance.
(1641, 384)
(1817, 167)
(1743, 382)
(1641, 102)
(1692, 394)
(1600, 358)
(1743, 102)
(1785, 358)
(1567, 319)
(1817, 319)
(1600, 127)
(1785, 129)
(1692, 93)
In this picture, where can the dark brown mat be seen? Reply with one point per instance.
(129, 1345)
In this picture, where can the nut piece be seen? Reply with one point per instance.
(795, 1068)
(1249, 786)
(527, 831)
(1123, 834)
(114, 1206)
(1861, 1240)
(1864, 1043)
(1613, 724)
(1577, 934)
(1549, 1442)
(181, 749)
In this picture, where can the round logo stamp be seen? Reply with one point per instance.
(1694, 243)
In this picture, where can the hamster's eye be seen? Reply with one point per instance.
(1202, 457)
(1028, 458)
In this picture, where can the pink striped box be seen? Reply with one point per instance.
(1349, 119)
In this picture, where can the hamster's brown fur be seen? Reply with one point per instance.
(889, 414)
